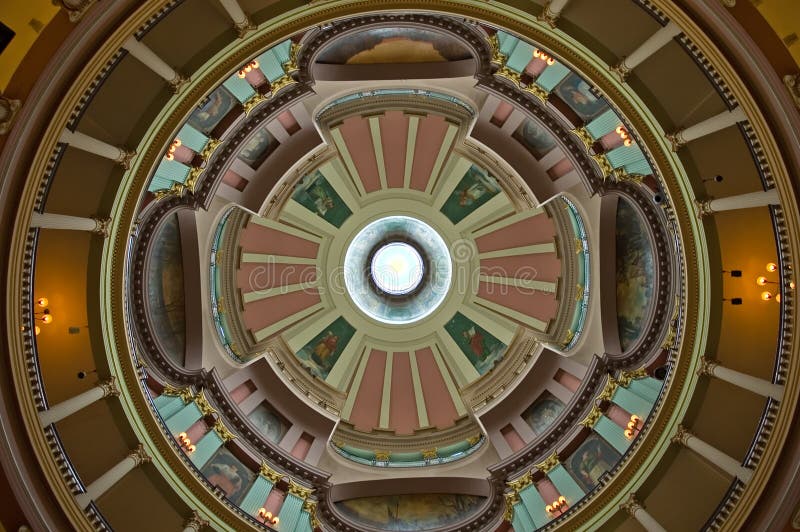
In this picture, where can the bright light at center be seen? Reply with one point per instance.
(397, 268)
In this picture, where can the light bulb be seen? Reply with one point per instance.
(778, 298)
(628, 142)
(242, 74)
(47, 318)
(562, 500)
(255, 64)
(791, 285)
(551, 61)
(37, 330)
(537, 53)
(42, 302)
(772, 267)
(766, 296)
(761, 281)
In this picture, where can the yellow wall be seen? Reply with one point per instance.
(784, 17)
(17, 15)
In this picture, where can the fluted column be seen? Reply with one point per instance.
(94, 490)
(89, 144)
(635, 509)
(552, 10)
(240, 19)
(152, 61)
(712, 454)
(742, 201)
(742, 380)
(706, 127)
(70, 223)
(195, 523)
(70, 406)
(653, 44)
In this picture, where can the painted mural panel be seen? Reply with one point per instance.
(269, 422)
(216, 107)
(165, 290)
(419, 511)
(316, 194)
(393, 45)
(576, 93)
(475, 188)
(543, 412)
(258, 148)
(320, 354)
(535, 138)
(588, 463)
(635, 274)
(231, 475)
(481, 348)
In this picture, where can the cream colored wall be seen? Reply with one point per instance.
(18, 15)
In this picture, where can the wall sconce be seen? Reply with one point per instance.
(186, 443)
(633, 427)
(772, 267)
(766, 296)
(248, 68)
(267, 517)
(172, 147)
(42, 315)
(538, 54)
(624, 135)
(557, 507)
(761, 281)
(715, 179)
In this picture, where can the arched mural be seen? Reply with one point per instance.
(419, 511)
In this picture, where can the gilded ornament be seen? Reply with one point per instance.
(591, 419)
(536, 90)
(681, 436)
(299, 491)
(586, 137)
(178, 83)
(125, 159)
(430, 454)
(139, 456)
(291, 65)
(223, 431)
(184, 393)
(676, 140)
(522, 482)
(547, 16)
(269, 473)
(244, 27)
(707, 366)
(382, 456)
(608, 390)
(209, 149)
(253, 102)
(109, 387)
(473, 440)
(280, 83)
(202, 403)
(511, 498)
(605, 167)
(626, 377)
(631, 504)
(549, 463)
(621, 70)
(102, 226)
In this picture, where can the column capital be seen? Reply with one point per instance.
(177, 83)
(101, 226)
(681, 436)
(8, 110)
(125, 158)
(728, 3)
(702, 208)
(109, 387)
(676, 140)
(75, 8)
(547, 16)
(707, 366)
(792, 82)
(139, 455)
(195, 522)
(631, 504)
(244, 27)
(621, 70)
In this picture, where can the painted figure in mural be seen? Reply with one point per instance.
(592, 465)
(325, 348)
(476, 343)
(322, 201)
(226, 477)
(468, 195)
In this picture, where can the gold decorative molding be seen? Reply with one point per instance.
(184, 393)
(209, 149)
(706, 366)
(203, 404)
(522, 482)
(621, 70)
(626, 377)
(291, 66)
(222, 431)
(511, 498)
(310, 506)
(498, 59)
(178, 83)
(473, 440)
(681, 436)
(298, 490)
(102, 226)
(608, 390)
(586, 137)
(676, 140)
(703, 208)
(430, 454)
(124, 158)
(270, 474)
(139, 455)
(591, 418)
(549, 463)
(382, 456)
(109, 387)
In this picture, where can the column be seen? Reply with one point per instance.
(79, 402)
(653, 44)
(257, 495)
(71, 223)
(742, 380)
(149, 58)
(634, 508)
(184, 418)
(112, 476)
(195, 523)
(742, 201)
(290, 511)
(240, 20)
(205, 448)
(552, 10)
(706, 127)
(78, 140)
(712, 454)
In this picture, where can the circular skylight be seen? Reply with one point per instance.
(397, 268)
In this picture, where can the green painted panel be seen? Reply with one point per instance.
(184, 418)
(321, 353)
(168, 405)
(256, 495)
(239, 87)
(612, 433)
(481, 348)
(552, 76)
(475, 188)
(632, 402)
(206, 447)
(565, 484)
(535, 505)
(316, 194)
